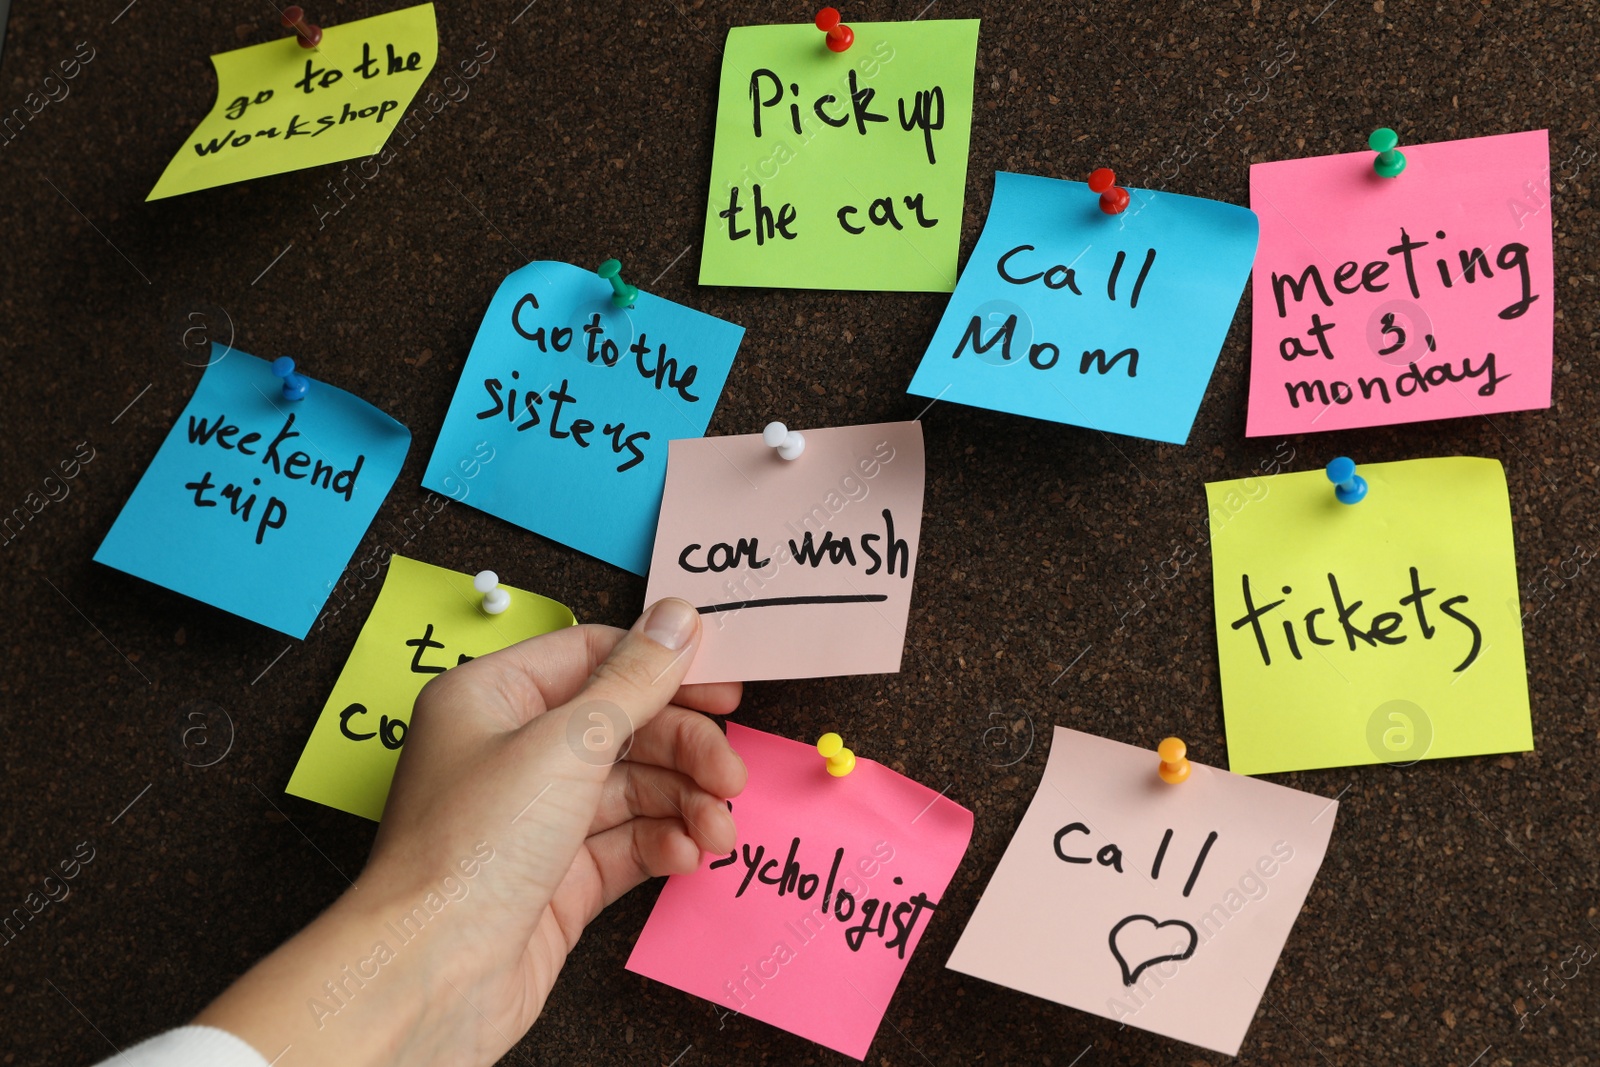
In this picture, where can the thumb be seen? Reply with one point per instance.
(636, 681)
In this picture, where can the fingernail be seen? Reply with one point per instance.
(671, 623)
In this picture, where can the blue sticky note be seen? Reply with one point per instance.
(254, 503)
(1113, 322)
(561, 419)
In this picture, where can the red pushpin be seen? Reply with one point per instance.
(1113, 201)
(295, 19)
(840, 36)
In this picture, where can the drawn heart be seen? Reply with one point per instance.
(1131, 976)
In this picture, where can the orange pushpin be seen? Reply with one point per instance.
(295, 19)
(1174, 768)
(841, 761)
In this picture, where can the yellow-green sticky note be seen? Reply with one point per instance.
(281, 107)
(841, 170)
(1386, 631)
(426, 620)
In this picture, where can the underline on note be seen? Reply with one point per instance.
(779, 601)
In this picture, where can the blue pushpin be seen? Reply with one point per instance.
(294, 385)
(623, 295)
(1348, 486)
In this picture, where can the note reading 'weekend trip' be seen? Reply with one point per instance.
(255, 503)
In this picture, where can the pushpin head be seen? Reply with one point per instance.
(623, 295)
(1113, 200)
(840, 37)
(841, 761)
(294, 385)
(1349, 487)
(789, 443)
(495, 599)
(1174, 766)
(295, 19)
(1391, 161)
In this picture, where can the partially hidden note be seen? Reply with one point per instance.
(255, 503)
(1429, 295)
(841, 170)
(426, 620)
(810, 922)
(1385, 631)
(1160, 906)
(802, 568)
(579, 400)
(281, 107)
(1113, 322)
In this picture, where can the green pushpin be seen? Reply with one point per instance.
(624, 295)
(1391, 161)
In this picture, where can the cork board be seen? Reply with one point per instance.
(1452, 888)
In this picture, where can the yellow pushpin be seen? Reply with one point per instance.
(1174, 768)
(841, 761)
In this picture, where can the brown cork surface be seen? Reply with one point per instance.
(1451, 888)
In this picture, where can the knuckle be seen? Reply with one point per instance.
(434, 692)
(624, 673)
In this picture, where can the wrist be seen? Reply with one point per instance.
(344, 991)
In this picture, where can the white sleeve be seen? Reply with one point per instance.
(189, 1046)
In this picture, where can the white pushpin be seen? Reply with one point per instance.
(789, 443)
(495, 599)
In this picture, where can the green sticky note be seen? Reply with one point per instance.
(426, 620)
(1385, 631)
(841, 170)
(281, 107)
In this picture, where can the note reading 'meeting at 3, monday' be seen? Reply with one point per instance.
(1384, 631)
(801, 568)
(426, 620)
(811, 921)
(254, 503)
(577, 400)
(841, 170)
(1426, 295)
(281, 107)
(1161, 906)
(1109, 321)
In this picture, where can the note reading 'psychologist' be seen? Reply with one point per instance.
(841, 170)
(1385, 631)
(426, 620)
(810, 921)
(579, 399)
(1160, 906)
(1113, 322)
(803, 568)
(281, 107)
(254, 503)
(1429, 295)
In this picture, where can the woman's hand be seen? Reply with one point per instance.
(537, 785)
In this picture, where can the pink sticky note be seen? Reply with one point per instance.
(1429, 295)
(810, 923)
(1160, 906)
(801, 568)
